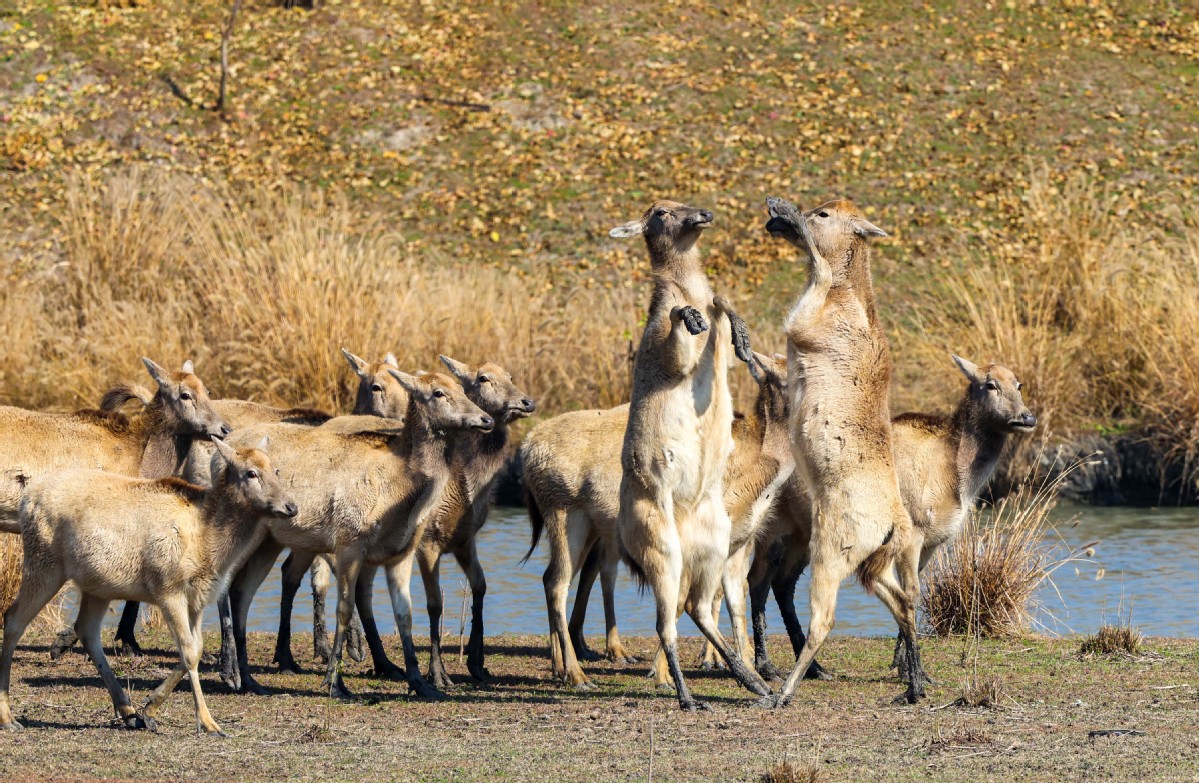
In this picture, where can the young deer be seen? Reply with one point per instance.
(164, 541)
(943, 465)
(840, 373)
(673, 526)
(367, 498)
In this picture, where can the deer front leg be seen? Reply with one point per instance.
(399, 579)
(738, 328)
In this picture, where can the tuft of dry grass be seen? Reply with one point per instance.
(981, 691)
(10, 571)
(787, 772)
(982, 584)
(1120, 639)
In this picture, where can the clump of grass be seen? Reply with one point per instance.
(787, 772)
(10, 571)
(1119, 639)
(959, 738)
(981, 691)
(983, 584)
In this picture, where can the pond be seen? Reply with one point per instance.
(1145, 562)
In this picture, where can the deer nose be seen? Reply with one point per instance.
(289, 510)
(486, 422)
(1028, 420)
(530, 406)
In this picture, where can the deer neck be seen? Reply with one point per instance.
(231, 532)
(163, 450)
(425, 449)
(682, 273)
(978, 450)
(858, 278)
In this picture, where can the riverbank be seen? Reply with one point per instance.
(523, 727)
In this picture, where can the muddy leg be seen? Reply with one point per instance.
(902, 607)
(784, 595)
(430, 573)
(126, 638)
(292, 576)
(828, 571)
(321, 577)
(469, 561)
(241, 593)
(348, 566)
(567, 544)
(701, 613)
(227, 659)
(614, 649)
(364, 592)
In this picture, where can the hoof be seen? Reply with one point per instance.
(664, 687)
(766, 702)
(694, 705)
(622, 659)
(338, 690)
(231, 681)
(289, 667)
(62, 643)
(584, 687)
(355, 648)
(12, 725)
(141, 722)
(587, 654)
(712, 666)
(216, 733)
(817, 672)
(389, 671)
(251, 686)
(423, 690)
(480, 675)
(126, 647)
(768, 671)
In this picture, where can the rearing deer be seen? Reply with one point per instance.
(673, 526)
(840, 425)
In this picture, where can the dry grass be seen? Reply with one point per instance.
(1120, 639)
(53, 616)
(983, 583)
(787, 772)
(985, 691)
(1095, 308)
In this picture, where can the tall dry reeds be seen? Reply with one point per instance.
(262, 287)
(1095, 309)
(984, 583)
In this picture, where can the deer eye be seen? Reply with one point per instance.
(822, 214)
(251, 474)
(991, 386)
(376, 387)
(1019, 386)
(484, 379)
(277, 473)
(438, 393)
(661, 213)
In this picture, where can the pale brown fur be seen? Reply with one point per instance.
(942, 464)
(572, 477)
(840, 372)
(150, 444)
(164, 541)
(366, 500)
(673, 527)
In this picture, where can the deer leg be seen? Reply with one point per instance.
(429, 560)
(399, 581)
(37, 588)
(126, 637)
(292, 576)
(364, 591)
(784, 584)
(87, 625)
(615, 650)
(587, 575)
(348, 567)
(469, 561)
(241, 593)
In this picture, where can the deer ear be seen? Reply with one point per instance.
(867, 230)
(460, 370)
(262, 444)
(968, 368)
(390, 360)
(227, 452)
(410, 384)
(189, 368)
(634, 228)
(158, 373)
(357, 364)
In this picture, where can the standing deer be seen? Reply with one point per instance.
(673, 527)
(840, 426)
(164, 541)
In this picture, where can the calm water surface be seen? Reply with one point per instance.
(1146, 559)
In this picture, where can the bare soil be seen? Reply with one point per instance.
(523, 726)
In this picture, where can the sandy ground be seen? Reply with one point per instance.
(522, 726)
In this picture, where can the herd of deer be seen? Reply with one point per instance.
(180, 505)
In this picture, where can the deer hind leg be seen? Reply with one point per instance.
(87, 625)
(615, 650)
(568, 542)
(348, 567)
(784, 584)
(399, 584)
(37, 588)
(587, 575)
(126, 637)
(241, 593)
(902, 605)
(181, 621)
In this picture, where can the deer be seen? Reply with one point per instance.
(840, 427)
(476, 462)
(943, 464)
(673, 528)
(164, 541)
(150, 445)
(571, 475)
(195, 468)
(369, 496)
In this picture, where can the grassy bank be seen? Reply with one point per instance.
(524, 727)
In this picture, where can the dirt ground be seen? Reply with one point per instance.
(524, 727)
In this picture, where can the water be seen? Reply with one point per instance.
(1146, 559)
